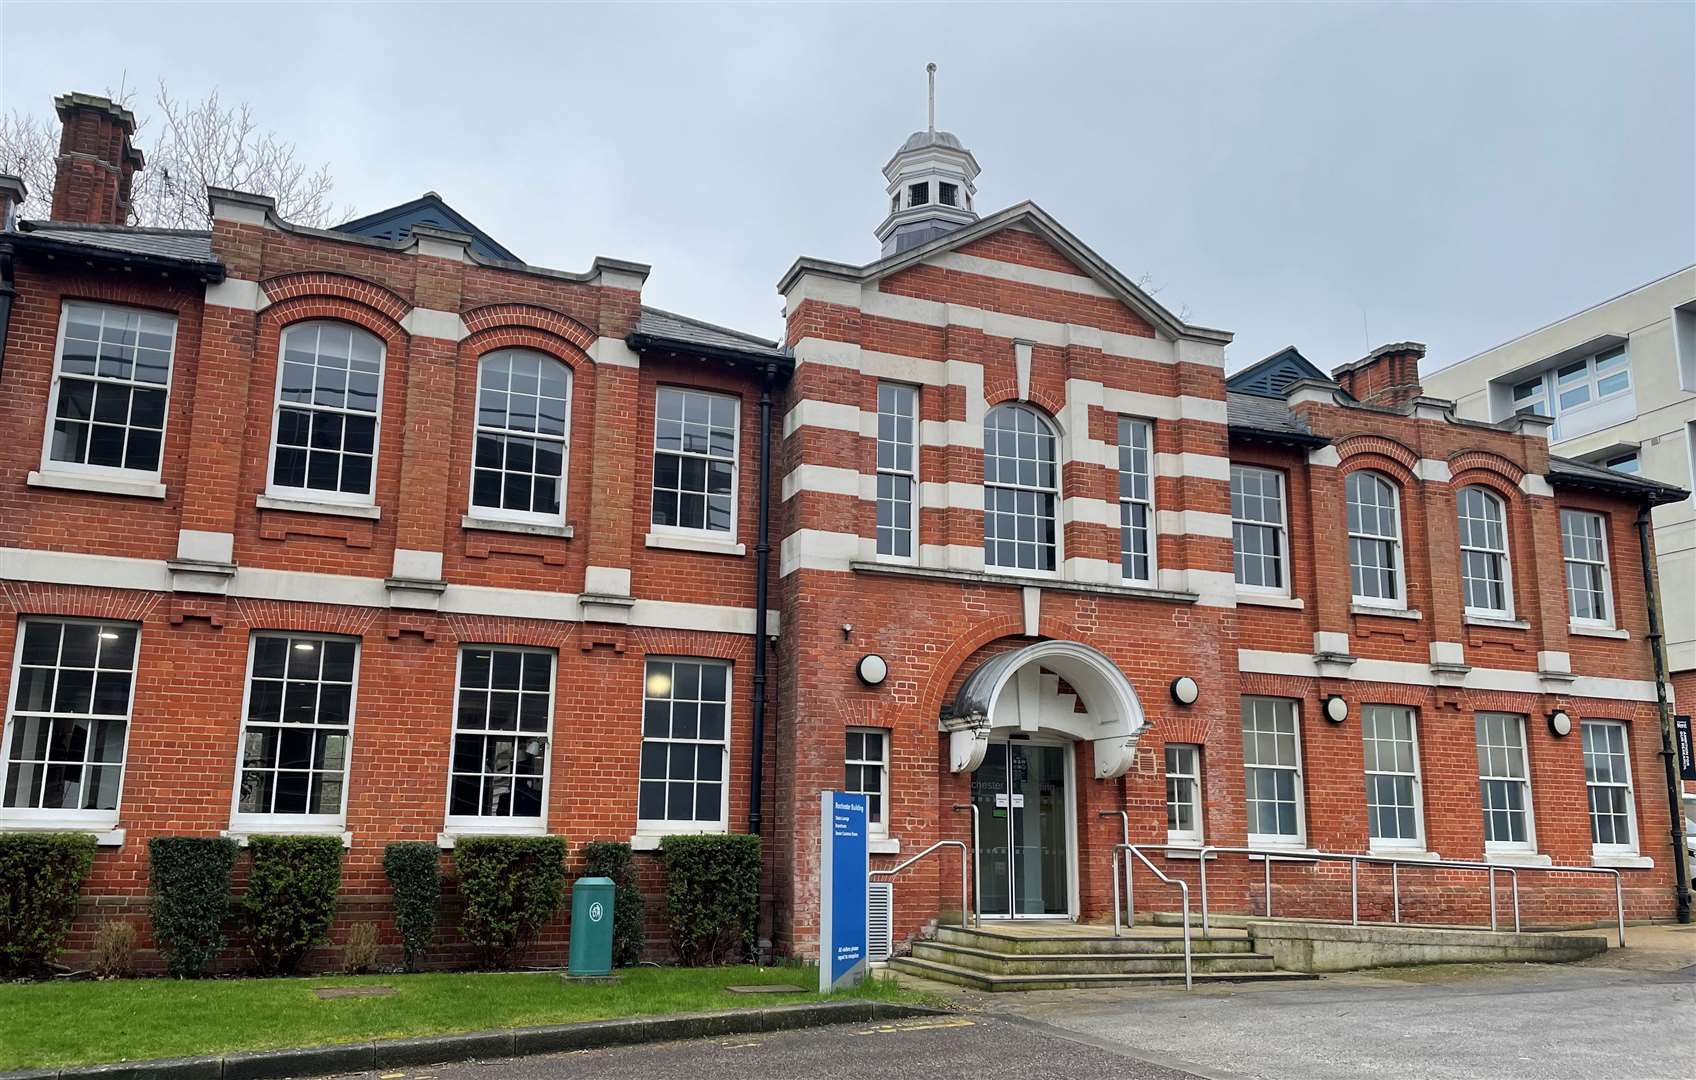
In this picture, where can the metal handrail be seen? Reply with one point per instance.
(1184, 890)
(1395, 862)
(1125, 838)
(903, 864)
(977, 873)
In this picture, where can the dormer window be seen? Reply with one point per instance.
(948, 194)
(918, 194)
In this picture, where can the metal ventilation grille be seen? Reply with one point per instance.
(880, 920)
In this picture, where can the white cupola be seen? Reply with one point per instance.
(932, 185)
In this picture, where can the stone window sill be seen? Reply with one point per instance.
(1305, 854)
(1622, 861)
(1496, 623)
(522, 528)
(243, 835)
(1411, 854)
(103, 837)
(1581, 630)
(1385, 612)
(99, 485)
(883, 845)
(653, 841)
(1249, 599)
(705, 545)
(447, 838)
(1187, 851)
(1518, 858)
(309, 506)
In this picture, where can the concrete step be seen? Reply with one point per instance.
(1132, 943)
(981, 980)
(1000, 963)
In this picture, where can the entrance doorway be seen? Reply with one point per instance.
(1024, 830)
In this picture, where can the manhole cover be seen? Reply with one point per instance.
(767, 988)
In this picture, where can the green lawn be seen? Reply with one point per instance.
(69, 1023)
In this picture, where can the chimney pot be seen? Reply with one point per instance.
(1387, 377)
(12, 194)
(96, 164)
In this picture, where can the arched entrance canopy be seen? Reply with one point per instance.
(1007, 691)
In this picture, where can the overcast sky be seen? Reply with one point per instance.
(1331, 176)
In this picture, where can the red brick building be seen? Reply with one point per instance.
(382, 533)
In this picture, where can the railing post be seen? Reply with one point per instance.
(1184, 888)
(1266, 870)
(976, 911)
(1396, 890)
(1513, 879)
(1354, 892)
(1492, 899)
(1116, 932)
(1619, 907)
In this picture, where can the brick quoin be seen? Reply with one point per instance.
(1097, 352)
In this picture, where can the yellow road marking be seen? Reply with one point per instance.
(918, 1025)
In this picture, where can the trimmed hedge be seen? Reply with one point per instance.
(291, 898)
(712, 896)
(611, 858)
(414, 870)
(511, 886)
(41, 879)
(190, 878)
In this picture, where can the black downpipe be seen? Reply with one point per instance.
(7, 292)
(762, 557)
(1675, 801)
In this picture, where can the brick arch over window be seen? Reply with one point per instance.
(495, 338)
(533, 316)
(350, 620)
(498, 630)
(1355, 450)
(78, 601)
(280, 316)
(1483, 461)
(185, 303)
(1002, 392)
(344, 286)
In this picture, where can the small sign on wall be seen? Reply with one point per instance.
(1686, 751)
(842, 890)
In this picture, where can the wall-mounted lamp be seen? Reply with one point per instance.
(1185, 690)
(1560, 723)
(1336, 709)
(873, 669)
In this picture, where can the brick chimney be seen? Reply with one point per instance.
(96, 161)
(1388, 377)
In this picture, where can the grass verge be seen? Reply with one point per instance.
(79, 1023)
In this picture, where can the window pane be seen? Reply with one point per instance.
(684, 738)
(296, 729)
(332, 407)
(69, 715)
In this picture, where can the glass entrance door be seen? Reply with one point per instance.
(1020, 793)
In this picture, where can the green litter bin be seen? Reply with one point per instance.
(591, 926)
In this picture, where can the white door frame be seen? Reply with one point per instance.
(1069, 746)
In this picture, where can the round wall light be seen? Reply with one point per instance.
(873, 669)
(1560, 723)
(1185, 690)
(1336, 709)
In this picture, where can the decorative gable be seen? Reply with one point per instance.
(1272, 376)
(397, 222)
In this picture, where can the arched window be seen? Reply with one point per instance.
(523, 423)
(1375, 540)
(1484, 553)
(1021, 486)
(329, 396)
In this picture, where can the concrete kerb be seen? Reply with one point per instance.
(480, 1045)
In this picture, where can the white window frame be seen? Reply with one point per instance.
(1053, 431)
(1281, 529)
(1503, 555)
(1299, 839)
(464, 824)
(1127, 426)
(1605, 567)
(1547, 392)
(879, 828)
(1417, 841)
(1630, 848)
(478, 429)
(1397, 544)
(727, 536)
(666, 826)
(1510, 847)
(247, 823)
(319, 495)
(1186, 837)
(52, 465)
(911, 475)
(58, 818)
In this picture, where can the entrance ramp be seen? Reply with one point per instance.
(1056, 956)
(1315, 946)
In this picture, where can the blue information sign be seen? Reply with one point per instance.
(842, 890)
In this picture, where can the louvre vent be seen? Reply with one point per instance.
(880, 920)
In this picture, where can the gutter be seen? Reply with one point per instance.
(1675, 801)
(1289, 438)
(8, 290)
(210, 272)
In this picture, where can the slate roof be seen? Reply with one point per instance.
(1253, 414)
(1573, 473)
(396, 222)
(1272, 376)
(187, 246)
(670, 327)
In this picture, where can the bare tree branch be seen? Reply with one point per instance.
(198, 144)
